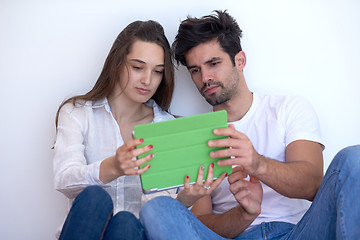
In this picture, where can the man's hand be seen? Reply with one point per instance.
(237, 146)
(299, 176)
(249, 194)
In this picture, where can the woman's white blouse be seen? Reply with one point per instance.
(86, 135)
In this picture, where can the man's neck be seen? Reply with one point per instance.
(237, 107)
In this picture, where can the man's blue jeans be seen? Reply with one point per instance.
(91, 217)
(334, 213)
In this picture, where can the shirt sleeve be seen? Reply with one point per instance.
(71, 171)
(301, 122)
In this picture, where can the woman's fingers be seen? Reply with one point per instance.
(141, 170)
(138, 151)
(210, 175)
(187, 182)
(131, 144)
(217, 182)
(143, 160)
(210, 184)
(200, 177)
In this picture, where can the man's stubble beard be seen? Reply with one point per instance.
(227, 92)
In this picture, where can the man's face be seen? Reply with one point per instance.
(213, 72)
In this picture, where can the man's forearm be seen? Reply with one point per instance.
(292, 179)
(229, 224)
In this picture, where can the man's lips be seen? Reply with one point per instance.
(211, 89)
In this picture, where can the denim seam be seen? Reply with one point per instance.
(106, 224)
(327, 179)
(340, 202)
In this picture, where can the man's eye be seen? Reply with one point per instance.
(194, 71)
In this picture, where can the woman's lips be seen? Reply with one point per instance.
(142, 90)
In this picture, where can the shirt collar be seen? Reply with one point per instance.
(159, 114)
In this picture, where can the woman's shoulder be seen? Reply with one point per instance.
(74, 106)
(79, 105)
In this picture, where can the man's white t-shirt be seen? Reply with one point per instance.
(271, 124)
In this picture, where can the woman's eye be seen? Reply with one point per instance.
(159, 72)
(137, 67)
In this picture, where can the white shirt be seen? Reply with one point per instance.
(272, 123)
(86, 135)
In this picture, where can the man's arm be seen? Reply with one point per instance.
(229, 224)
(298, 177)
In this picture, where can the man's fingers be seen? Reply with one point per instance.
(228, 162)
(224, 153)
(229, 132)
(239, 186)
(237, 175)
(254, 179)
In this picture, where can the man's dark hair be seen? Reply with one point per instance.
(194, 31)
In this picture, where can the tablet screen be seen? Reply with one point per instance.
(180, 148)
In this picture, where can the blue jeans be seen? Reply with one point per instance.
(91, 217)
(334, 213)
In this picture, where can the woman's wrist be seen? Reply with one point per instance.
(108, 170)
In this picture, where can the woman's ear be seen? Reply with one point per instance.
(240, 60)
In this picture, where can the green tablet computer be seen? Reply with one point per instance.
(180, 148)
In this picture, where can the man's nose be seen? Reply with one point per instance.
(206, 76)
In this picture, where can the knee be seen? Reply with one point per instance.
(95, 192)
(96, 197)
(157, 206)
(351, 151)
(124, 225)
(350, 155)
(125, 219)
(346, 161)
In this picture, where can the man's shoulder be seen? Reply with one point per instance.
(279, 101)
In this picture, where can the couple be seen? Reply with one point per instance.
(275, 140)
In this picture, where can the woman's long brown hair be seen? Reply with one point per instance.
(148, 31)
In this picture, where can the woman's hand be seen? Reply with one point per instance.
(123, 164)
(191, 193)
(125, 154)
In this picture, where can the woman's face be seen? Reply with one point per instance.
(143, 71)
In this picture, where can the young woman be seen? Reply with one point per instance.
(96, 160)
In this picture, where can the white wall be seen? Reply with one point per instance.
(50, 50)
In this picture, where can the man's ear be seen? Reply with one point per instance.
(240, 60)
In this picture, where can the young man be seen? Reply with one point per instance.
(274, 139)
